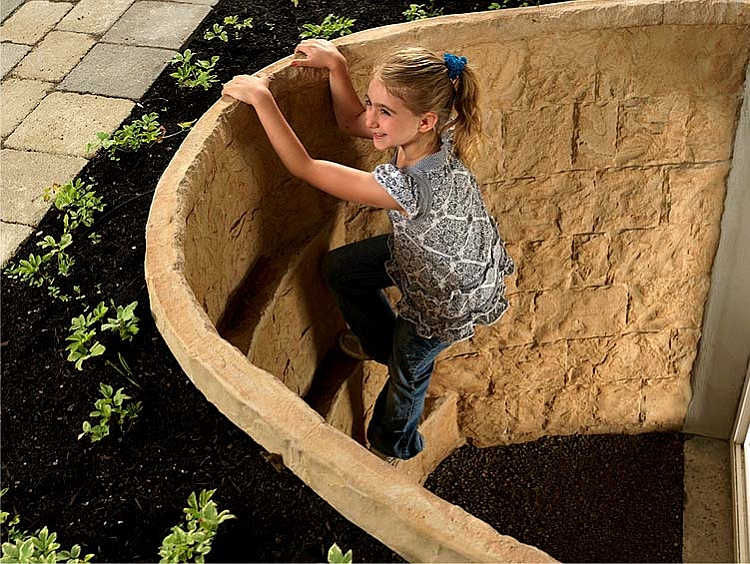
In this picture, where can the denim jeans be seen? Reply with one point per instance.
(356, 274)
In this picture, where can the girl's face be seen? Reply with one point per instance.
(391, 122)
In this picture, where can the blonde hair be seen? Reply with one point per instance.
(420, 78)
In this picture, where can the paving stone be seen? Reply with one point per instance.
(10, 54)
(25, 176)
(64, 122)
(19, 98)
(11, 236)
(124, 71)
(32, 21)
(7, 7)
(57, 54)
(157, 24)
(94, 16)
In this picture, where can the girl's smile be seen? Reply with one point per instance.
(394, 125)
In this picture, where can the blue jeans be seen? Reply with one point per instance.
(356, 274)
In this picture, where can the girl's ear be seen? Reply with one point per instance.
(427, 122)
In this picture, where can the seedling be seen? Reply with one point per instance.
(216, 31)
(238, 25)
(190, 74)
(113, 403)
(42, 546)
(336, 556)
(130, 138)
(421, 12)
(57, 249)
(202, 522)
(79, 201)
(30, 270)
(330, 27)
(83, 345)
(126, 322)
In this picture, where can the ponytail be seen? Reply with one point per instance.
(468, 137)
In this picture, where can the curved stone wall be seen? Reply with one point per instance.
(611, 126)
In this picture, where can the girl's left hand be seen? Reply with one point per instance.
(246, 88)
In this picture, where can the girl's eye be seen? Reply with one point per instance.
(385, 112)
(367, 102)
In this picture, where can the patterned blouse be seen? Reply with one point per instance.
(448, 258)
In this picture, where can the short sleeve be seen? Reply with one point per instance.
(400, 186)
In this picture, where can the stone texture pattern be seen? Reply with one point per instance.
(32, 21)
(19, 98)
(55, 56)
(607, 181)
(63, 123)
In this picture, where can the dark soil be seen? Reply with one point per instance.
(613, 498)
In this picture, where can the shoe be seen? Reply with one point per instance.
(385, 458)
(350, 345)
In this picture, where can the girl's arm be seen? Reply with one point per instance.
(338, 180)
(347, 106)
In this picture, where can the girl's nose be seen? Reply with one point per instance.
(370, 120)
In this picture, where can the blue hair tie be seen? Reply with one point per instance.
(455, 65)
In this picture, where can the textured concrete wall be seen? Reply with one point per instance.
(611, 128)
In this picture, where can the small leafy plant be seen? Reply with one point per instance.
(83, 344)
(130, 138)
(41, 546)
(216, 31)
(421, 12)
(126, 322)
(79, 202)
(330, 27)
(194, 541)
(336, 556)
(112, 404)
(191, 74)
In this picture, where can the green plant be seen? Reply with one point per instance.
(79, 202)
(57, 248)
(126, 322)
(82, 345)
(202, 522)
(112, 403)
(238, 25)
(296, 3)
(42, 546)
(191, 74)
(336, 556)
(421, 12)
(216, 31)
(330, 27)
(132, 137)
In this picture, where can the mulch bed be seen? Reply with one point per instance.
(601, 498)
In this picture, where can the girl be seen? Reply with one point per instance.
(445, 254)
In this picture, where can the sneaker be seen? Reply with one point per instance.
(385, 458)
(350, 345)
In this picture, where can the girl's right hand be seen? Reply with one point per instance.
(317, 53)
